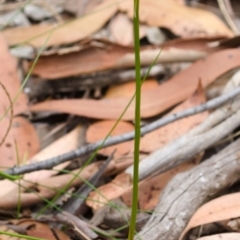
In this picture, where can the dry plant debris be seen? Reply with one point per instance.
(67, 74)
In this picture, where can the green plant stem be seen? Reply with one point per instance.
(137, 121)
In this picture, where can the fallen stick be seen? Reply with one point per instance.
(187, 191)
(49, 163)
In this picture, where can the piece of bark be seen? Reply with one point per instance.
(186, 192)
(117, 215)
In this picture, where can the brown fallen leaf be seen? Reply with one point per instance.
(66, 33)
(128, 89)
(219, 209)
(182, 20)
(75, 63)
(154, 101)
(109, 56)
(99, 130)
(41, 230)
(22, 135)
(159, 137)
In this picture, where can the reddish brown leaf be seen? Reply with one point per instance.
(75, 63)
(41, 230)
(128, 89)
(22, 135)
(154, 101)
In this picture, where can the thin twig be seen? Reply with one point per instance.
(51, 162)
(75, 204)
(227, 13)
(11, 114)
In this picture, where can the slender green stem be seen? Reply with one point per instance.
(137, 121)
(16, 235)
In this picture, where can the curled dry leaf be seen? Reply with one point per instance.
(99, 130)
(66, 33)
(219, 209)
(181, 20)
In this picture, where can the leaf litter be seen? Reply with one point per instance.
(92, 60)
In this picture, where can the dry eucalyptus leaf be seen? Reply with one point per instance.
(181, 20)
(154, 101)
(219, 209)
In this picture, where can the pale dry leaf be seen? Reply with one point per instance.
(181, 20)
(48, 188)
(219, 209)
(222, 236)
(67, 143)
(66, 33)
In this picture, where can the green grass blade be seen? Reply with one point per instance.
(137, 121)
